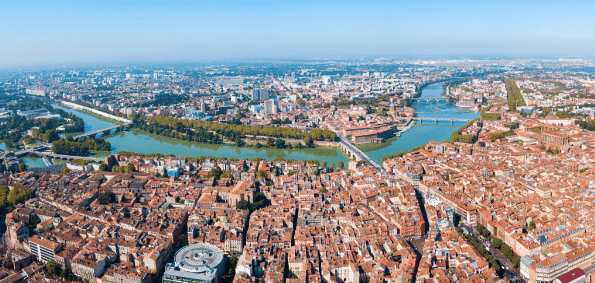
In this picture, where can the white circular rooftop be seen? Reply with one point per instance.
(199, 257)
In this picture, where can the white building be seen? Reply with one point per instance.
(270, 106)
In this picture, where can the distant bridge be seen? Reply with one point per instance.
(436, 119)
(428, 100)
(69, 157)
(104, 130)
(33, 149)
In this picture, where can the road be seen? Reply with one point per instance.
(418, 244)
(354, 150)
(511, 272)
(43, 145)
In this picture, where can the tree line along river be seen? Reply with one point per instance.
(144, 142)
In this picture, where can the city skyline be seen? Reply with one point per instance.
(65, 34)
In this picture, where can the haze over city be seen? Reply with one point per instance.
(63, 33)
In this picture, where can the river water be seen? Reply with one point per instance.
(144, 142)
(429, 131)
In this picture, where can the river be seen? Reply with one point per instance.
(422, 134)
(144, 142)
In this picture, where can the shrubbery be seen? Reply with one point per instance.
(489, 116)
(457, 137)
(401, 153)
(494, 137)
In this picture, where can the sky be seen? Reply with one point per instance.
(66, 33)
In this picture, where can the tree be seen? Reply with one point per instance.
(308, 142)
(53, 268)
(19, 194)
(215, 172)
(22, 167)
(532, 226)
(323, 190)
(269, 142)
(231, 269)
(497, 243)
(260, 201)
(103, 167)
(4, 190)
(64, 171)
(261, 174)
(106, 198)
(340, 164)
(243, 205)
(323, 164)
(65, 273)
(239, 142)
(182, 240)
(51, 136)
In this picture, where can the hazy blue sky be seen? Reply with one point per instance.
(60, 32)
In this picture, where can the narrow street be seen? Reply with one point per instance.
(418, 244)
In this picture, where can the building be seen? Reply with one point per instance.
(39, 92)
(44, 249)
(196, 263)
(366, 137)
(260, 94)
(576, 275)
(553, 137)
(270, 106)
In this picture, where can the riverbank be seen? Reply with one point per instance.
(144, 142)
(419, 134)
(387, 142)
(90, 113)
(81, 107)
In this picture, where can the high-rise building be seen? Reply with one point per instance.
(255, 95)
(270, 106)
(260, 94)
(264, 94)
(190, 111)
